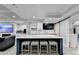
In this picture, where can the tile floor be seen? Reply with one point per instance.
(71, 51)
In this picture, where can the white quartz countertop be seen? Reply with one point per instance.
(38, 36)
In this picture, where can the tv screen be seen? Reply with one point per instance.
(6, 28)
(48, 26)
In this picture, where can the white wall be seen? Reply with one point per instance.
(64, 32)
(73, 23)
(56, 28)
(77, 30)
(66, 28)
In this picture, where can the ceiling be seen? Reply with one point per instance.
(6, 13)
(34, 11)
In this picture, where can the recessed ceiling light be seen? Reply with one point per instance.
(13, 16)
(33, 17)
(15, 5)
(50, 18)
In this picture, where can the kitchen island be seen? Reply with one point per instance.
(21, 38)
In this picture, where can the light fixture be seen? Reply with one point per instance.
(50, 18)
(14, 5)
(33, 17)
(13, 16)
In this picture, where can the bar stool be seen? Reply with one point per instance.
(34, 47)
(25, 47)
(53, 47)
(43, 47)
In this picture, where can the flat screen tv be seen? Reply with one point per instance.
(6, 28)
(48, 26)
